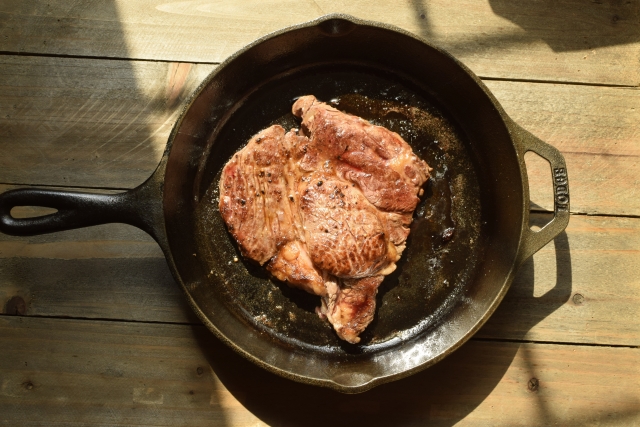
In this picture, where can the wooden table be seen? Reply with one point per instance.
(93, 329)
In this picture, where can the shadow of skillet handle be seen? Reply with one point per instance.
(533, 241)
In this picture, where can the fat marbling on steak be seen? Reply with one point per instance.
(326, 209)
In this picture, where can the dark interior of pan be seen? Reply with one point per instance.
(462, 249)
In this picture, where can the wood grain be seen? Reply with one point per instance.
(78, 122)
(90, 91)
(103, 123)
(112, 271)
(582, 288)
(572, 40)
(597, 130)
(116, 272)
(74, 372)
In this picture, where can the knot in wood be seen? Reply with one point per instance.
(16, 306)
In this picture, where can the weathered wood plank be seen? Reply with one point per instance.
(583, 288)
(105, 124)
(596, 129)
(572, 40)
(74, 372)
(112, 271)
(131, 288)
(77, 122)
(117, 272)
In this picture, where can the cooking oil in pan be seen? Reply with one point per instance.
(444, 247)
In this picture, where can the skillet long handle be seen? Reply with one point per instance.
(75, 210)
(140, 207)
(533, 241)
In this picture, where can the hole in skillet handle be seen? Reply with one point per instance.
(70, 210)
(540, 190)
(22, 212)
(335, 27)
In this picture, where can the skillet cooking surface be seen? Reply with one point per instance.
(434, 271)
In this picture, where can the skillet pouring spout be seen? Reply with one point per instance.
(432, 304)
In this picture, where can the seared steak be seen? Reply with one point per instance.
(326, 208)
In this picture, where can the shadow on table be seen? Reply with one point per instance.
(566, 25)
(574, 25)
(439, 396)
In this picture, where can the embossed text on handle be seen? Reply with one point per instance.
(560, 184)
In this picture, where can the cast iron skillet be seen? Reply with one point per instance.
(470, 233)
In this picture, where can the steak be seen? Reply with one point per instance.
(325, 208)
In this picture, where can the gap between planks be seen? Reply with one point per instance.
(108, 58)
(610, 215)
(155, 322)
(487, 78)
(517, 341)
(113, 320)
(557, 82)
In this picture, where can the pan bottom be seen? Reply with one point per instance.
(444, 248)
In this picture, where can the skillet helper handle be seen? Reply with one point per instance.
(75, 210)
(533, 241)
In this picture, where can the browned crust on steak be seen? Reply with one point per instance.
(254, 194)
(326, 209)
(293, 265)
(350, 306)
(378, 160)
(344, 234)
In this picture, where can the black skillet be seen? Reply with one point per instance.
(470, 233)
